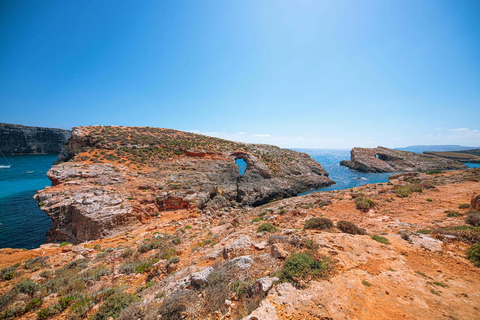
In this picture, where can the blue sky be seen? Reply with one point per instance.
(320, 74)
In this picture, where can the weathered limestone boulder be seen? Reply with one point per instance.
(382, 159)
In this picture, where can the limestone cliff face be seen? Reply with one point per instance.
(456, 156)
(116, 175)
(382, 159)
(18, 139)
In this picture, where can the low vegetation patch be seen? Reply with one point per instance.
(364, 204)
(318, 223)
(452, 213)
(464, 206)
(473, 218)
(380, 239)
(473, 254)
(114, 305)
(302, 267)
(434, 172)
(424, 231)
(349, 227)
(267, 227)
(366, 283)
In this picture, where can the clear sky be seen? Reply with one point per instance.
(320, 74)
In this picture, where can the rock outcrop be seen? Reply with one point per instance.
(114, 175)
(382, 159)
(456, 156)
(18, 139)
(415, 261)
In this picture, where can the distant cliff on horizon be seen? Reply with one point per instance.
(422, 148)
(18, 139)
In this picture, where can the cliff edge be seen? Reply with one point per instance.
(382, 159)
(18, 139)
(116, 176)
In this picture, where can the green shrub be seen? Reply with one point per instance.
(349, 227)
(318, 223)
(464, 206)
(305, 266)
(188, 227)
(46, 313)
(36, 263)
(364, 204)
(64, 244)
(255, 220)
(473, 254)
(440, 284)
(8, 273)
(452, 213)
(424, 231)
(380, 239)
(282, 211)
(366, 283)
(32, 304)
(114, 305)
(12, 312)
(127, 253)
(267, 227)
(27, 286)
(403, 192)
(434, 172)
(429, 200)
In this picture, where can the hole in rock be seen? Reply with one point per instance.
(382, 157)
(242, 166)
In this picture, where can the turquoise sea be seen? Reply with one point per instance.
(24, 225)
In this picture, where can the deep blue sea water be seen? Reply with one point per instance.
(344, 177)
(24, 225)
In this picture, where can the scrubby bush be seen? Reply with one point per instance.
(32, 304)
(434, 171)
(267, 227)
(473, 254)
(8, 273)
(176, 304)
(36, 263)
(364, 204)
(464, 206)
(114, 305)
(318, 223)
(473, 219)
(452, 213)
(305, 266)
(349, 227)
(403, 192)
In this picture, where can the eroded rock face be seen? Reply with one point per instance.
(382, 159)
(116, 175)
(18, 139)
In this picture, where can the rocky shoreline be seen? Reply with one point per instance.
(382, 159)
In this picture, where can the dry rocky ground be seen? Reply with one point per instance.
(407, 259)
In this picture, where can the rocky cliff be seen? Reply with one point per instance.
(456, 156)
(117, 175)
(18, 139)
(382, 159)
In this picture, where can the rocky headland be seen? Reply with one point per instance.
(382, 159)
(456, 156)
(115, 177)
(18, 139)
(406, 249)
